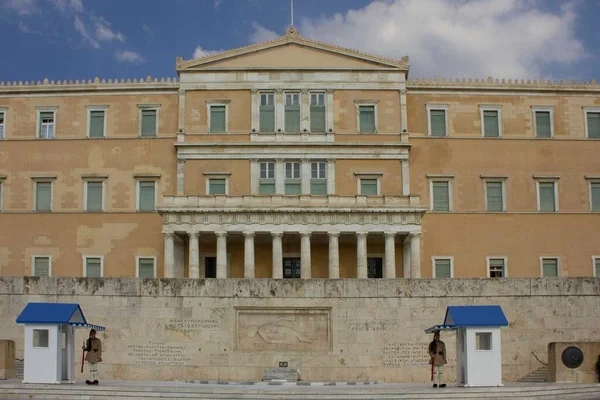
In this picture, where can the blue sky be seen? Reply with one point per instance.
(77, 39)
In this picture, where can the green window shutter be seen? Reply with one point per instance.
(542, 124)
(441, 196)
(292, 119)
(494, 196)
(94, 196)
(443, 268)
(217, 119)
(597, 267)
(595, 197)
(216, 186)
(293, 186)
(593, 124)
(93, 267)
(317, 119)
(148, 123)
(318, 187)
(490, 123)
(266, 187)
(368, 187)
(42, 266)
(146, 267)
(438, 123)
(550, 267)
(547, 200)
(43, 196)
(147, 196)
(267, 119)
(366, 119)
(96, 124)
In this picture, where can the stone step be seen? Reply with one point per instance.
(154, 390)
(539, 375)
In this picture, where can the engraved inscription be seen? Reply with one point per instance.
(191, 325)
(405, 354)
(289, 329)
(371, 325)
(158, 353)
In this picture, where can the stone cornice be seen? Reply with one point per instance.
(470, 84)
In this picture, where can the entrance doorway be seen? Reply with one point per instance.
(291, 267)
(375, 267)
(210, 267)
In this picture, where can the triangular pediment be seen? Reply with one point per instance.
(291, 51)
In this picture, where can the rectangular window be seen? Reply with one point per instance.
(267, 112)
(210, 267)
(595, 196)
(94, 196)
(2, 113)
(93, 267)
(374, 267)
(496, 268)
(317, 112)
(550, 267)
(483, 341)
(596, 261)
(543, 124)
(292, 112)
(318, 178)
(293, 182)
(368, 186)
(46, 125)
(149, 124)
(437, 121)
(43, 196)
(145, 267)
(366, 119)
(218, 115)
(41, 266)
(442, 268)
(96, 123)
(547, 196)
(40, 337)
(146, 195)
(291, 268)
(217, 186)
(593, 124)
(266, 183)
(491, 124)
(440, 195)
(494, 196)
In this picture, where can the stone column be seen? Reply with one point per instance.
(304, 110)
(169, 271)
(329, 110)
(254, 177)
(415, 255)
(279, 111)
(181, 122)
(403, 112)
(405, 178)
(277, 272)
(334, 255)
(305, 272)
(248, 254)
(330, 176)
(180, 177)
(279, 176)
(255, 110)
(390, 255)
(406, 257)
(194, 256)
(221, 254)
(305, 176)
(361, 255)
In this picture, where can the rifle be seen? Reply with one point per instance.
(82, 356)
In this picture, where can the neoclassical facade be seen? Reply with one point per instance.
(298, 159)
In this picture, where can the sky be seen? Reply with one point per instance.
(505, 39)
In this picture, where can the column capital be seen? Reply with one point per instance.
(254, 91)
(403, 92)
(362, 234)
(334, 234)
(182, 92)
(193, 233)
(279, 91)
(414, 234)
(304, 91)
(221, 234)
(168, 232)
(329, 91)
(389, 234)
(305, 233)
(331, 160)
(277, 234)
(248, 233)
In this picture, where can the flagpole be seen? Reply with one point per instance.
(292, 9)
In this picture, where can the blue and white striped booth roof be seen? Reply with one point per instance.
(55, 314)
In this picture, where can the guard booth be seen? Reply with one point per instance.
(50, 341)
(478, 344)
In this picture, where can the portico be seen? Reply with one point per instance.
(303, 223)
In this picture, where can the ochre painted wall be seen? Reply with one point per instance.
(196, 108)
(387, 105)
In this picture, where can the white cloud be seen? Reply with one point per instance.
(471, 38)
(80, 27)
(200, 52)
(127, 56)
(22, 7)
(75, 6)
(104, 32)
(261, 34)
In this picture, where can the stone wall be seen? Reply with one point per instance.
(349, 329)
